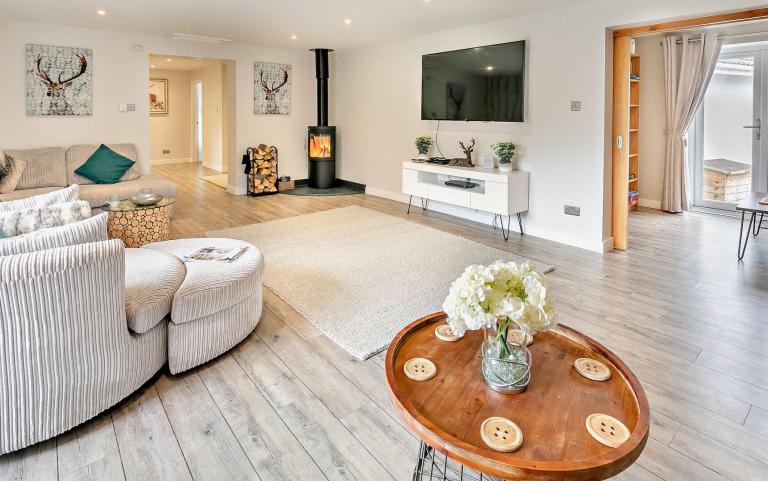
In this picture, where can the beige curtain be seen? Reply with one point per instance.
(688, 67)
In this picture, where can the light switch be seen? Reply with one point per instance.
(575, 105)
(123, 107)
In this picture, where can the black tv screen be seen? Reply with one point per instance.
(480, 83)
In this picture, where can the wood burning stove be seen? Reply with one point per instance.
(321, 138)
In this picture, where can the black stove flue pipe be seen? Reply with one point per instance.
(321, 73)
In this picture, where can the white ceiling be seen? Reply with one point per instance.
(317, 23)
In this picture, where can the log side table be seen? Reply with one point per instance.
(137, 225)
(447, 411)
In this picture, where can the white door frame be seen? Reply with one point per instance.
(759, 148)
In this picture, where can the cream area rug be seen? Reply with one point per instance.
(358, 275)
(216, 179)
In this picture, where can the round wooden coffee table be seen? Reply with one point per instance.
(446, 412)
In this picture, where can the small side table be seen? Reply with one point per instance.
(751, 204)
(137, 225)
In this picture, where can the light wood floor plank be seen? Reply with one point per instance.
(267, 441)
(90, 452)
(148, 445)
(35, 463)
(210, 448)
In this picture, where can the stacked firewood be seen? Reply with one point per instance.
(264, 169)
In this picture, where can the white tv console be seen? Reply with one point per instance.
(499, 193)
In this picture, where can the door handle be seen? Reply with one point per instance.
(756, 128)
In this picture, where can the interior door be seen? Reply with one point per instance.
(727, 141)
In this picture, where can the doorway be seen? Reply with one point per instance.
(726, 144)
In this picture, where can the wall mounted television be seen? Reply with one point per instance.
(481, 83)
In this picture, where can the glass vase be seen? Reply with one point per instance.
(506, 363)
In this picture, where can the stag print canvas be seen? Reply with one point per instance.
(272, 88)
(59, 80)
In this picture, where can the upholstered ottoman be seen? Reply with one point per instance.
(217, 305)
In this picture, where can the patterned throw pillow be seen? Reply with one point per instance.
(29, 220)
(10, 172)
(69, 194)
(89, 230)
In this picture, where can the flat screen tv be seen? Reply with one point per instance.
(480, 83)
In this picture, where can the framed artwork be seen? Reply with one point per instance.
(59, 80)
(272, 88)
(158, 96)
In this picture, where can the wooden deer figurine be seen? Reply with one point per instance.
(464, 162)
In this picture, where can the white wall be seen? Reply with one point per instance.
(120, 76)
(172, 131)
(378, 108)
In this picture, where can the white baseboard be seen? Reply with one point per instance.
(236, 190)
(171, 161)
(486, 218)
(650, 203)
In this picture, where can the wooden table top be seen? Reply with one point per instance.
(752, 203)
(447, 411)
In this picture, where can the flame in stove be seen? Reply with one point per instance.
(320, 146)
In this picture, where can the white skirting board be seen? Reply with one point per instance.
(171, 161)
(487, 219)
(650, 203)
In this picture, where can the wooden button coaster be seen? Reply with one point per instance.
(592, 369)
(501, 434)
(763, 201)
(607, 430)
(444, 333)
(420, 369)
(520, 337)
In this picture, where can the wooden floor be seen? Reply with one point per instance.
(288, 404)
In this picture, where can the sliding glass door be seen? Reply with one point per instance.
(727, 141)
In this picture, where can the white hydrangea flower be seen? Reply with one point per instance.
(511, 290)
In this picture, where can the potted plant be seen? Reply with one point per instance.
(504, 151)
(509, 301)
(423, 143)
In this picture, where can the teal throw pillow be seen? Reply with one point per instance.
(105, 166)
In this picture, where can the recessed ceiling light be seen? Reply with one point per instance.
(169, 60)
(490, 67)
(294, 37)
(101, 12)
(152, 66)
(347, 21)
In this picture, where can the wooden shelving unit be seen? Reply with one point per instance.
(633, 178)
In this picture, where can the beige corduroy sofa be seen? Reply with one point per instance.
(51, 168)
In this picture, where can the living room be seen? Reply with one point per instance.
(200, 332)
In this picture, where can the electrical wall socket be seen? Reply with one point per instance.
(575, 105)
(572, 210)
(166, 151)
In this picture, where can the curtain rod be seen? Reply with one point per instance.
(725, 37)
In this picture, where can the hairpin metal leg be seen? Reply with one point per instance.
(520, 223)
(758, 226)
(424, 205)
(505, 233)
(750, 227)
(409, 205)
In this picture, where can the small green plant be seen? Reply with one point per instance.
(423, 144)
(505, 151)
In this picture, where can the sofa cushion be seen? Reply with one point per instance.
(105, 166)
(10, 172)
(151, 279)
(93, 229)
(212, 286)
(98, 194)
(44, 167)
(18, 222)
(77, 155)
(31, 198)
